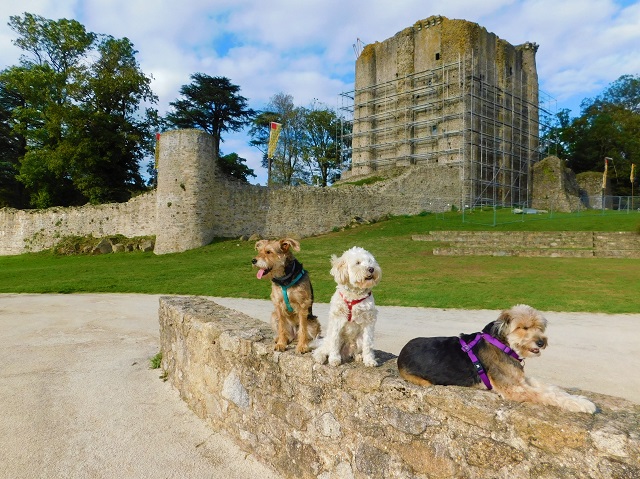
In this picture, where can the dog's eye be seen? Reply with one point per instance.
(357, 262)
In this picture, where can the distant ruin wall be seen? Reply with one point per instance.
(196, 203)
(24, 231)
(316, 421)
(558, 188)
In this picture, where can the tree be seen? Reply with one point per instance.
(212, 104)
(322, 145)
(80, 114)
(287, 163)
(309, 145)
(608, 127)
(235, 167)
(12, 148)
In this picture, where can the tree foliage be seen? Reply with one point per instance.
(76, 113)
(608, 127)
(235, 166)
(214, 104)
(308, 149)
(322, 145)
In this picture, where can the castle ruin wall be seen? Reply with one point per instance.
(194, 208)
(23, 231)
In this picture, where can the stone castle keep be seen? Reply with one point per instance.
(449, 93)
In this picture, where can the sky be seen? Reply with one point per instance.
(305, 48)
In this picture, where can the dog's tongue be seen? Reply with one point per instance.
(260, 274)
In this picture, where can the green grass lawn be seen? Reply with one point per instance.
(412, 276)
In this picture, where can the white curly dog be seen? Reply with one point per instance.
(352, 311)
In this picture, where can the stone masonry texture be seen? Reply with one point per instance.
(316, 421)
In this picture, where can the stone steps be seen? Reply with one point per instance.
(573, 244)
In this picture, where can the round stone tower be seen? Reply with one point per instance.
(186, 180)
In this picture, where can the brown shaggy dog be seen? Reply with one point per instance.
(519, 332)
(291, 293)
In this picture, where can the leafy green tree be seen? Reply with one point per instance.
(322, 144)
(608, 127)
(12, 147)
(80, 115)
(235, 167)
(212, 104)
(556, 135)
(309, 146)
(287, 164)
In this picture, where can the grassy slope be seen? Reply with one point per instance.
(412, 276)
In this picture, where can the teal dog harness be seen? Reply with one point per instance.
(295, 274)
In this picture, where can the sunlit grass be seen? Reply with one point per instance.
(412, 276)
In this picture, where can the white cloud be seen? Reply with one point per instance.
(305, 48)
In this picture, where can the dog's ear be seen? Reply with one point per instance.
(339, 269)
(287, 243)
(260, 244)
(500, 327)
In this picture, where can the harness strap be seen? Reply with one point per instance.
(285, 288)
(502, 347)
(467, 348)
(350, 304)
(474, 359)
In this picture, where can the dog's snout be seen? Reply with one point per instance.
(540, 343)
(254, 261)
(371, 270)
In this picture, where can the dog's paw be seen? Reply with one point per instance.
(280, 347)
(303, 348)
(581, 404)
(319, 357)
(335, 360)
(369, 361)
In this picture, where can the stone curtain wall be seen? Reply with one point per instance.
(316, 421)
(196, 204)
(35, 230)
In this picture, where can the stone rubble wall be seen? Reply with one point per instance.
(196, 204)
(315, 421)
(23, 231)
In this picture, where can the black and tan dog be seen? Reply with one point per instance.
(291, 293)
(492, 357)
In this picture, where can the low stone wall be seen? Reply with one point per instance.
(316, 421)
(24, 231)
(576, 244)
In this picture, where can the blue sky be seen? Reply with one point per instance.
(305, 48)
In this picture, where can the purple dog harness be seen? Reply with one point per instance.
(476, 362)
